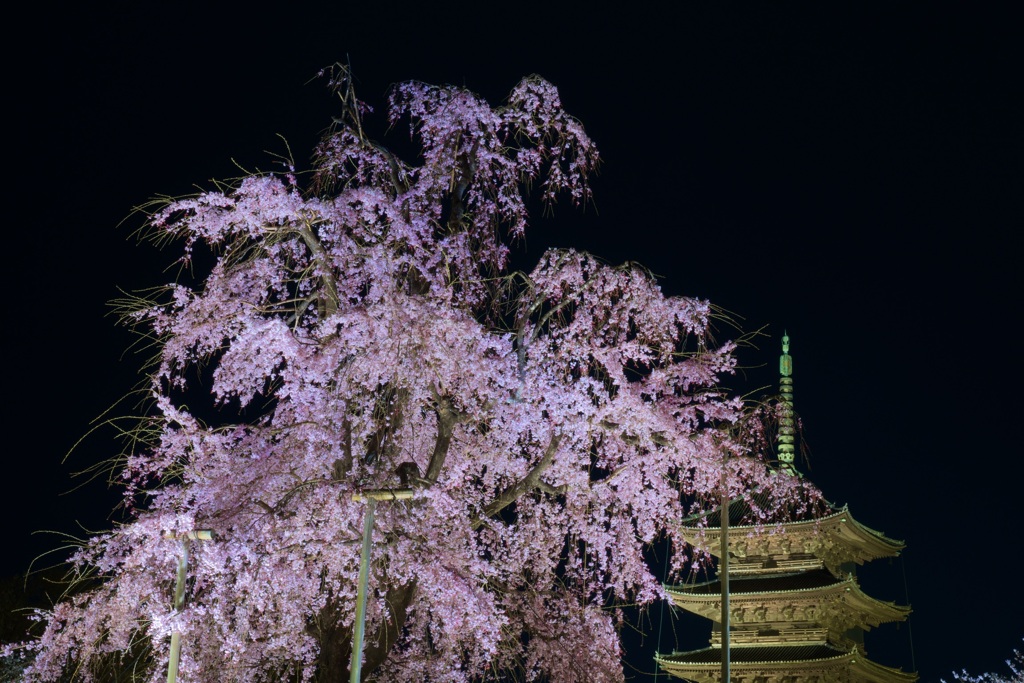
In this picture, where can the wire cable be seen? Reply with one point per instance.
(906, 592)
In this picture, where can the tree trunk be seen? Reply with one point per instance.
(375, 650)
(336, 640)
(335, 648)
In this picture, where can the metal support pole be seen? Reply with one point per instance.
(364, 574)
(179, 604)
(371, 497)
(723, 574)
(179, 593)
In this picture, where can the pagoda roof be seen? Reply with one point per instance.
(821, 660)
(850, 540)
(879, 543)
(743, 655)
(849, 604)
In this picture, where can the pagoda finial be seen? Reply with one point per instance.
(787, 431)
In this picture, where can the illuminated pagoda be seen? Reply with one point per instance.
(795, 611)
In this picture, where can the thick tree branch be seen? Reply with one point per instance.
(524, 485)
(447, 418)
(332, 300)
(344, 464)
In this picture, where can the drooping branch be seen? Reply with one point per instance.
(398, 600)
(382, 444)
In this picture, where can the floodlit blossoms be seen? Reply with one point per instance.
(1016, 673)
(365, 332)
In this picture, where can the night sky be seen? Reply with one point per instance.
(849, 174)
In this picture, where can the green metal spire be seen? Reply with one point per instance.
(787, 429)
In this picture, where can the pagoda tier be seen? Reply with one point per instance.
(789, 608)
(787, 664)
(832, 540)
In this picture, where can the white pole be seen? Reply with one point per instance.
(179, 603)
(371, 497)
(723, 571)
(364, 575)
(179, 593)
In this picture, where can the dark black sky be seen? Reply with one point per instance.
(851, 174)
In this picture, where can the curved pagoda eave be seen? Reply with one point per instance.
(843, 595)
(836, 537)
(824, 664)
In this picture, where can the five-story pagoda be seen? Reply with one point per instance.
(795, 611)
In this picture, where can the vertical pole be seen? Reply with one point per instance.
(364, 574)
(179, 604)
(179, 592)
(723, 573)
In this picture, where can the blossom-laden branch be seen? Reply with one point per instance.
(1016, 673)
